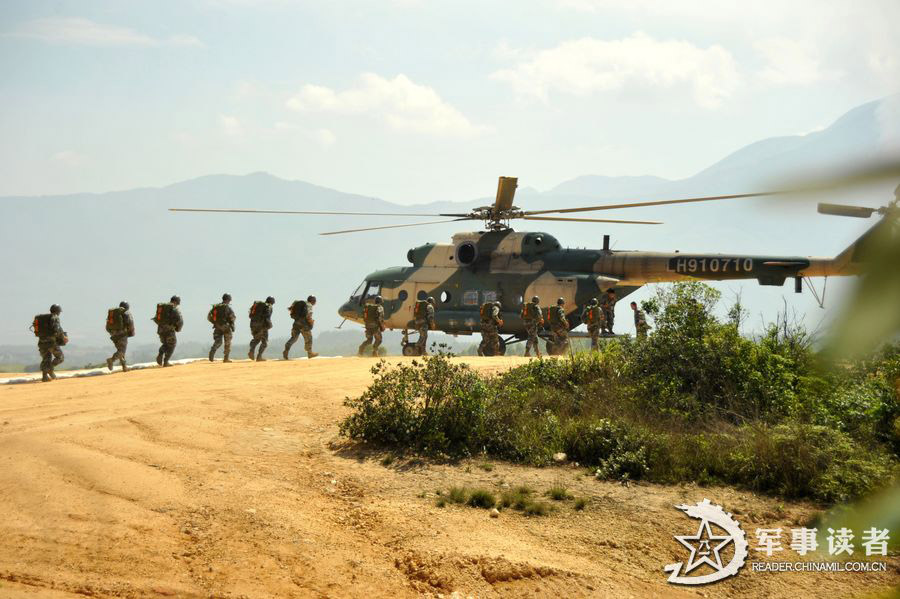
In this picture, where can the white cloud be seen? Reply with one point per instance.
(587, 66)
(401, 103)
(80, 31)
(791, 62)
(231, 126)
(70, 158)
(325, 137)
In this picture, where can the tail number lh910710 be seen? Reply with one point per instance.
(708, 265)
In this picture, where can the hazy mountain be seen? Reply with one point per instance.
(89, 251)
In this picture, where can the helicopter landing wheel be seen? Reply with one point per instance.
(410, 350)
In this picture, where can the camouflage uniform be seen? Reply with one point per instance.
(259, 329)
(593, 317)
(560, 328)
(640, 324)
(533, 324)
(168, 337)
(223, 332)
(302, 326)
(422, 326)
(374, 327)
(120, 340)
(49, 347)
(608, 305)
(490, 334)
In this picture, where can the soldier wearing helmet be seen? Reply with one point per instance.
(424, 317)
(559, 325)
(120, 326)
(168, 323)
(373, 317)
(490, 329)
(593, 317)
(302, 314)
(260, 323)
(533, 317)
(51, 337)
(640, 321)
(608, 305)
(222, 317)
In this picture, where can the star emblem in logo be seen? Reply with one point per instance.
(704, 544)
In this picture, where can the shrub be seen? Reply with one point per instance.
(481, 498)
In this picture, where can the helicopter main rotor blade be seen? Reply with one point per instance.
(594, 220)
(434, 222)
(655, 203)
(242, 211)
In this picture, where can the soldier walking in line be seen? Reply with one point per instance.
(51, 338)
(533, 317)
(120, 326)
(302, 313)
(559, 325)
(608, 305)
(593, 317)
(640, 321)
(222, 317)
(373, 315)
(424, 315)
(260, 323)
(490, 329)
(168, 323)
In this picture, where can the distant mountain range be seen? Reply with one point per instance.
(89, 251)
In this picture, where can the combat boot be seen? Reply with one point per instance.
(124, 367)
(212, 356)
(52, 375)
(284, 355)
(250, 355)
(166, 364)
(109, 363)
(260, 358)
(311, 354)
(45, 378)
(227, 358)
(159, 358)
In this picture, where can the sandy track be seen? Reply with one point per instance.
(212, 480)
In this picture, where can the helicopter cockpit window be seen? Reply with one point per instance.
(359, 290)
(373, 289)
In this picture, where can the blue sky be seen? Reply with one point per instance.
(419, 100)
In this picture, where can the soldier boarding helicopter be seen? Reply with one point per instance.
(500, 264)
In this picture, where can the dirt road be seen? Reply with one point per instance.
(212, 480)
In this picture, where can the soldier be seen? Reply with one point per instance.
(593, 317)
(490, 325)
(424, 314)
(51, 336)
(302, 313)
(260, 323)
(222, 317)
(373, 316)
(640, 321)
(168, 322)
(533, 318)
(608, 305)
(120, 326)
(559, 325)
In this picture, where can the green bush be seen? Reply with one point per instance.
(694, 402)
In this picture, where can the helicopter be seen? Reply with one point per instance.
(501, 264)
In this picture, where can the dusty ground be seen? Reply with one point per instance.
(212, 480)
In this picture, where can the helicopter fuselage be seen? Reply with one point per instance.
(512, 267)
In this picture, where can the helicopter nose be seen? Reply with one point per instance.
(347, 311)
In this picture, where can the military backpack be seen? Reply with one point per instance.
(115, 321)
(555, 314)
(165, 314)
(258, 311)
(42, 325)
(593, 315)
(299, 309)
(421, 310)
(218, 314)
(530, 311)
(370, 314)
(487, 311)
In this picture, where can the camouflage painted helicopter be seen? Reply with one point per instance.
(501, 264)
